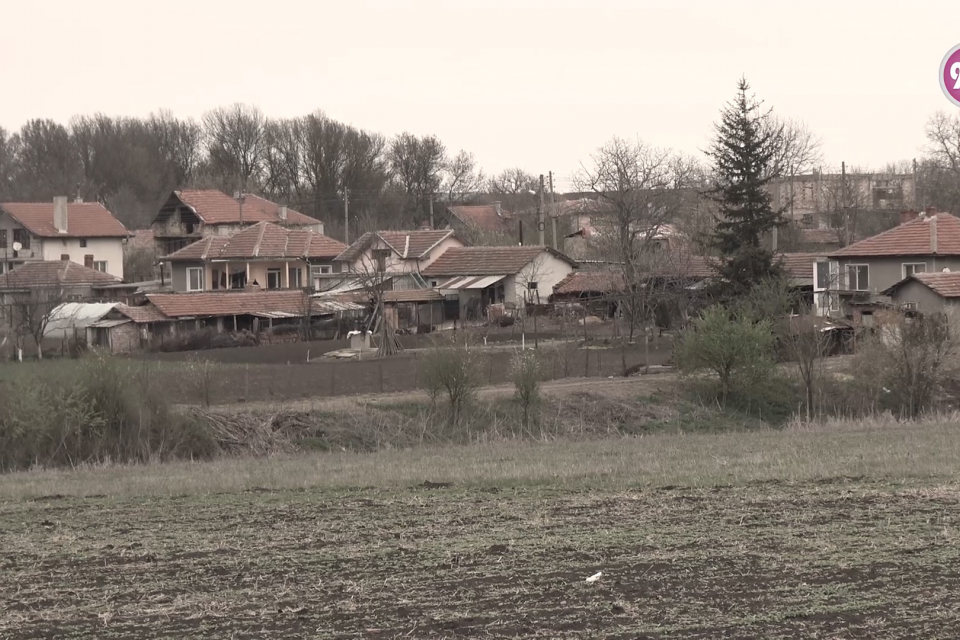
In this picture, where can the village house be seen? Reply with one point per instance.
(191, 214)
(264, 255)
(400, 256)
(81, 232)
(509, 277)
(483, 218)
(927, 293)
(853, 281)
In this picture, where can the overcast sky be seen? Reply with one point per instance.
(519, 83)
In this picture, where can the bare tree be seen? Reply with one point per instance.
(463, 177)
(417, 166)
(940, 175)
(528, 289)
(804, 342)
(796, 149)
(29, 312)
(7, 164)
(372, 269)
(47, 161)
(236, 144)
(512, 182)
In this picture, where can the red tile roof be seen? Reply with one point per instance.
(800, 265)
(263, 240)
(944, 284)
(47, 274)
(914, 238)
(485, 217)
(410, 245)
(216, 207)
(481, 261)
(228, 303)
(142, 314)
(84, 220)
(596, 281)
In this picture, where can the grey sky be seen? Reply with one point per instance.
(532, 84)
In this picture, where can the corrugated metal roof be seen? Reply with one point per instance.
(75, 315)
(469, 282)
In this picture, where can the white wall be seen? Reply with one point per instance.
(546, 270)
(108, 249)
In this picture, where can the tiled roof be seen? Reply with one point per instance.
(46, 274)
(482, 216)
(800, 265)
(598, 281)
(480, 261)
(142, 314)
(216, 207)
(84, 220)
(913, 238)
(228, 303)
(944, 284)
(409, 245)
(203, 249)
(263, 240)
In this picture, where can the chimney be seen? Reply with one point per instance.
(931, 211)
(499, 210)
(908, 216)
(933, 233)
(60, 214)
(282, 213)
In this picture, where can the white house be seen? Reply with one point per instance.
(512, 276)
(396, 254)
(81, 232)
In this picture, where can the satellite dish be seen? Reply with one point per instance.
(16, 246)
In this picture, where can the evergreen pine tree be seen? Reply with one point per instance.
(743, 151)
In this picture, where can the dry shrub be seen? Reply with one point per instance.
(451, 370)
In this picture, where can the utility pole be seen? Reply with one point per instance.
(540, 225)
(240, 200)
(346, 216)
(917, 200)
(843, 203)
(431, 212)
(553, 213)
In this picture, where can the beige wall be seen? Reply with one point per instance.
(395, 264)
(106, 249)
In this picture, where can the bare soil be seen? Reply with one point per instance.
(848, 558)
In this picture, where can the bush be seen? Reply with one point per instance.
(730, 345)
(526, 373)
(451, 369)
(105, 411)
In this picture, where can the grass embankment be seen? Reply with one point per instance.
(846, 533)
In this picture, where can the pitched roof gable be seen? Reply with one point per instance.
(480, 261)
(215, 207)
(263, 240)
(936, 234)
(409, 245)
(84, 220)
(50, 273)
(944, 284)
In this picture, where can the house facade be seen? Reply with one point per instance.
(399, 255)
(508, 276)
(265, 255)
(859, 275)
(191, 214)
(927, 293)
(81, 232)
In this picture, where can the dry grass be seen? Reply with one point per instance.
(889, 451)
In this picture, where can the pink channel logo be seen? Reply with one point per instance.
(950, 75)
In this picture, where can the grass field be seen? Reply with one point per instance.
(827, 533)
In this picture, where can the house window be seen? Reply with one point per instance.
(858, 277)
(532, 286)
(3, 238)
(296, 280)
(273, 278)
(910, 268)
(21, 236)
(195, 279)
(807, 221)
(321, 269)
(100, 265)
(65, 257)
(83, 242)
(910, 306)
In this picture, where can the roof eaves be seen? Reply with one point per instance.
(434, 245)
